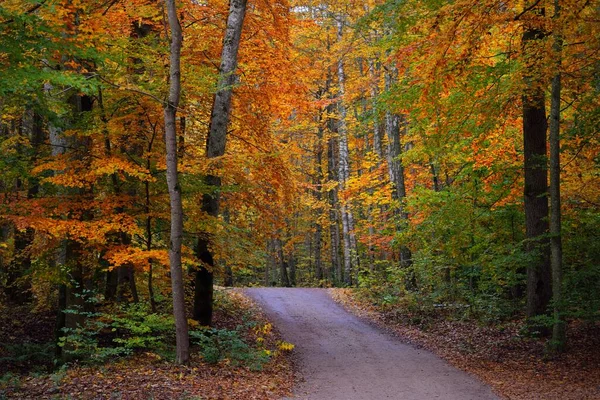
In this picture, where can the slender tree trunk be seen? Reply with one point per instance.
(176, 239)
(283, 265)
(334, 219)
(350, 249)
(292, 264)
(539, 291)
(147, 205)
(268, 262)
(395, 126)
(215, 147)
(559, 328)
(319, 197)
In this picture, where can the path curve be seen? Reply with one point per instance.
(342, 357)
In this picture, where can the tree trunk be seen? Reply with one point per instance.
(203, 285)
(539, 291)
(176, 238)
(350, 250)
(336, 263)
(318, 193)
(558, 330)
(292, 264)
(395, 127)
(283, 265)
(215, 147)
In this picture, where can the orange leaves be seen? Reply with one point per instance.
(138, 258)
(113, 165)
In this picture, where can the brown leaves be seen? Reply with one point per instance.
(148, 375)
(516, 367)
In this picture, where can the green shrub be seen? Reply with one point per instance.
(220, 344)
(114, 334)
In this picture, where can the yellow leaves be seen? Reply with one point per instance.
(263, 329)
(285, 346)
(111, 165)
(193, 324)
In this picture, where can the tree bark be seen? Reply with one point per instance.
(350, 248)
(395, 127)
(334, 219)
(215, 147)
(176, 238)
(539, 291)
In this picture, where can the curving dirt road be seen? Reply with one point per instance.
(342, 357)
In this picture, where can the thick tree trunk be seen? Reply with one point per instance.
(215, 147)
(176, 238)
(539, 291)
(203, 285)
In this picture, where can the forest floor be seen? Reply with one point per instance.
(341, 357)
(144, 375)
(516, 367)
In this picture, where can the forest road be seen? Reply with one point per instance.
(343, 358)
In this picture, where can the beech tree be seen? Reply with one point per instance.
(176, 238)
(215, 147)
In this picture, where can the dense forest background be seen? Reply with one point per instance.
(433, 154)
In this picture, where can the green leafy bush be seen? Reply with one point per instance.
(113, 334)
(221, 344)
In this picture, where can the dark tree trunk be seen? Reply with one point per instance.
(203, 286)
(539, 290)
(215, 147)
(283, 265)
(292, 264)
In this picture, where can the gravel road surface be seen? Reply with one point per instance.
(342, 357)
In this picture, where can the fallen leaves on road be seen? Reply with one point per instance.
(515, 366)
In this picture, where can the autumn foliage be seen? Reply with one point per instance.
(376, 144)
